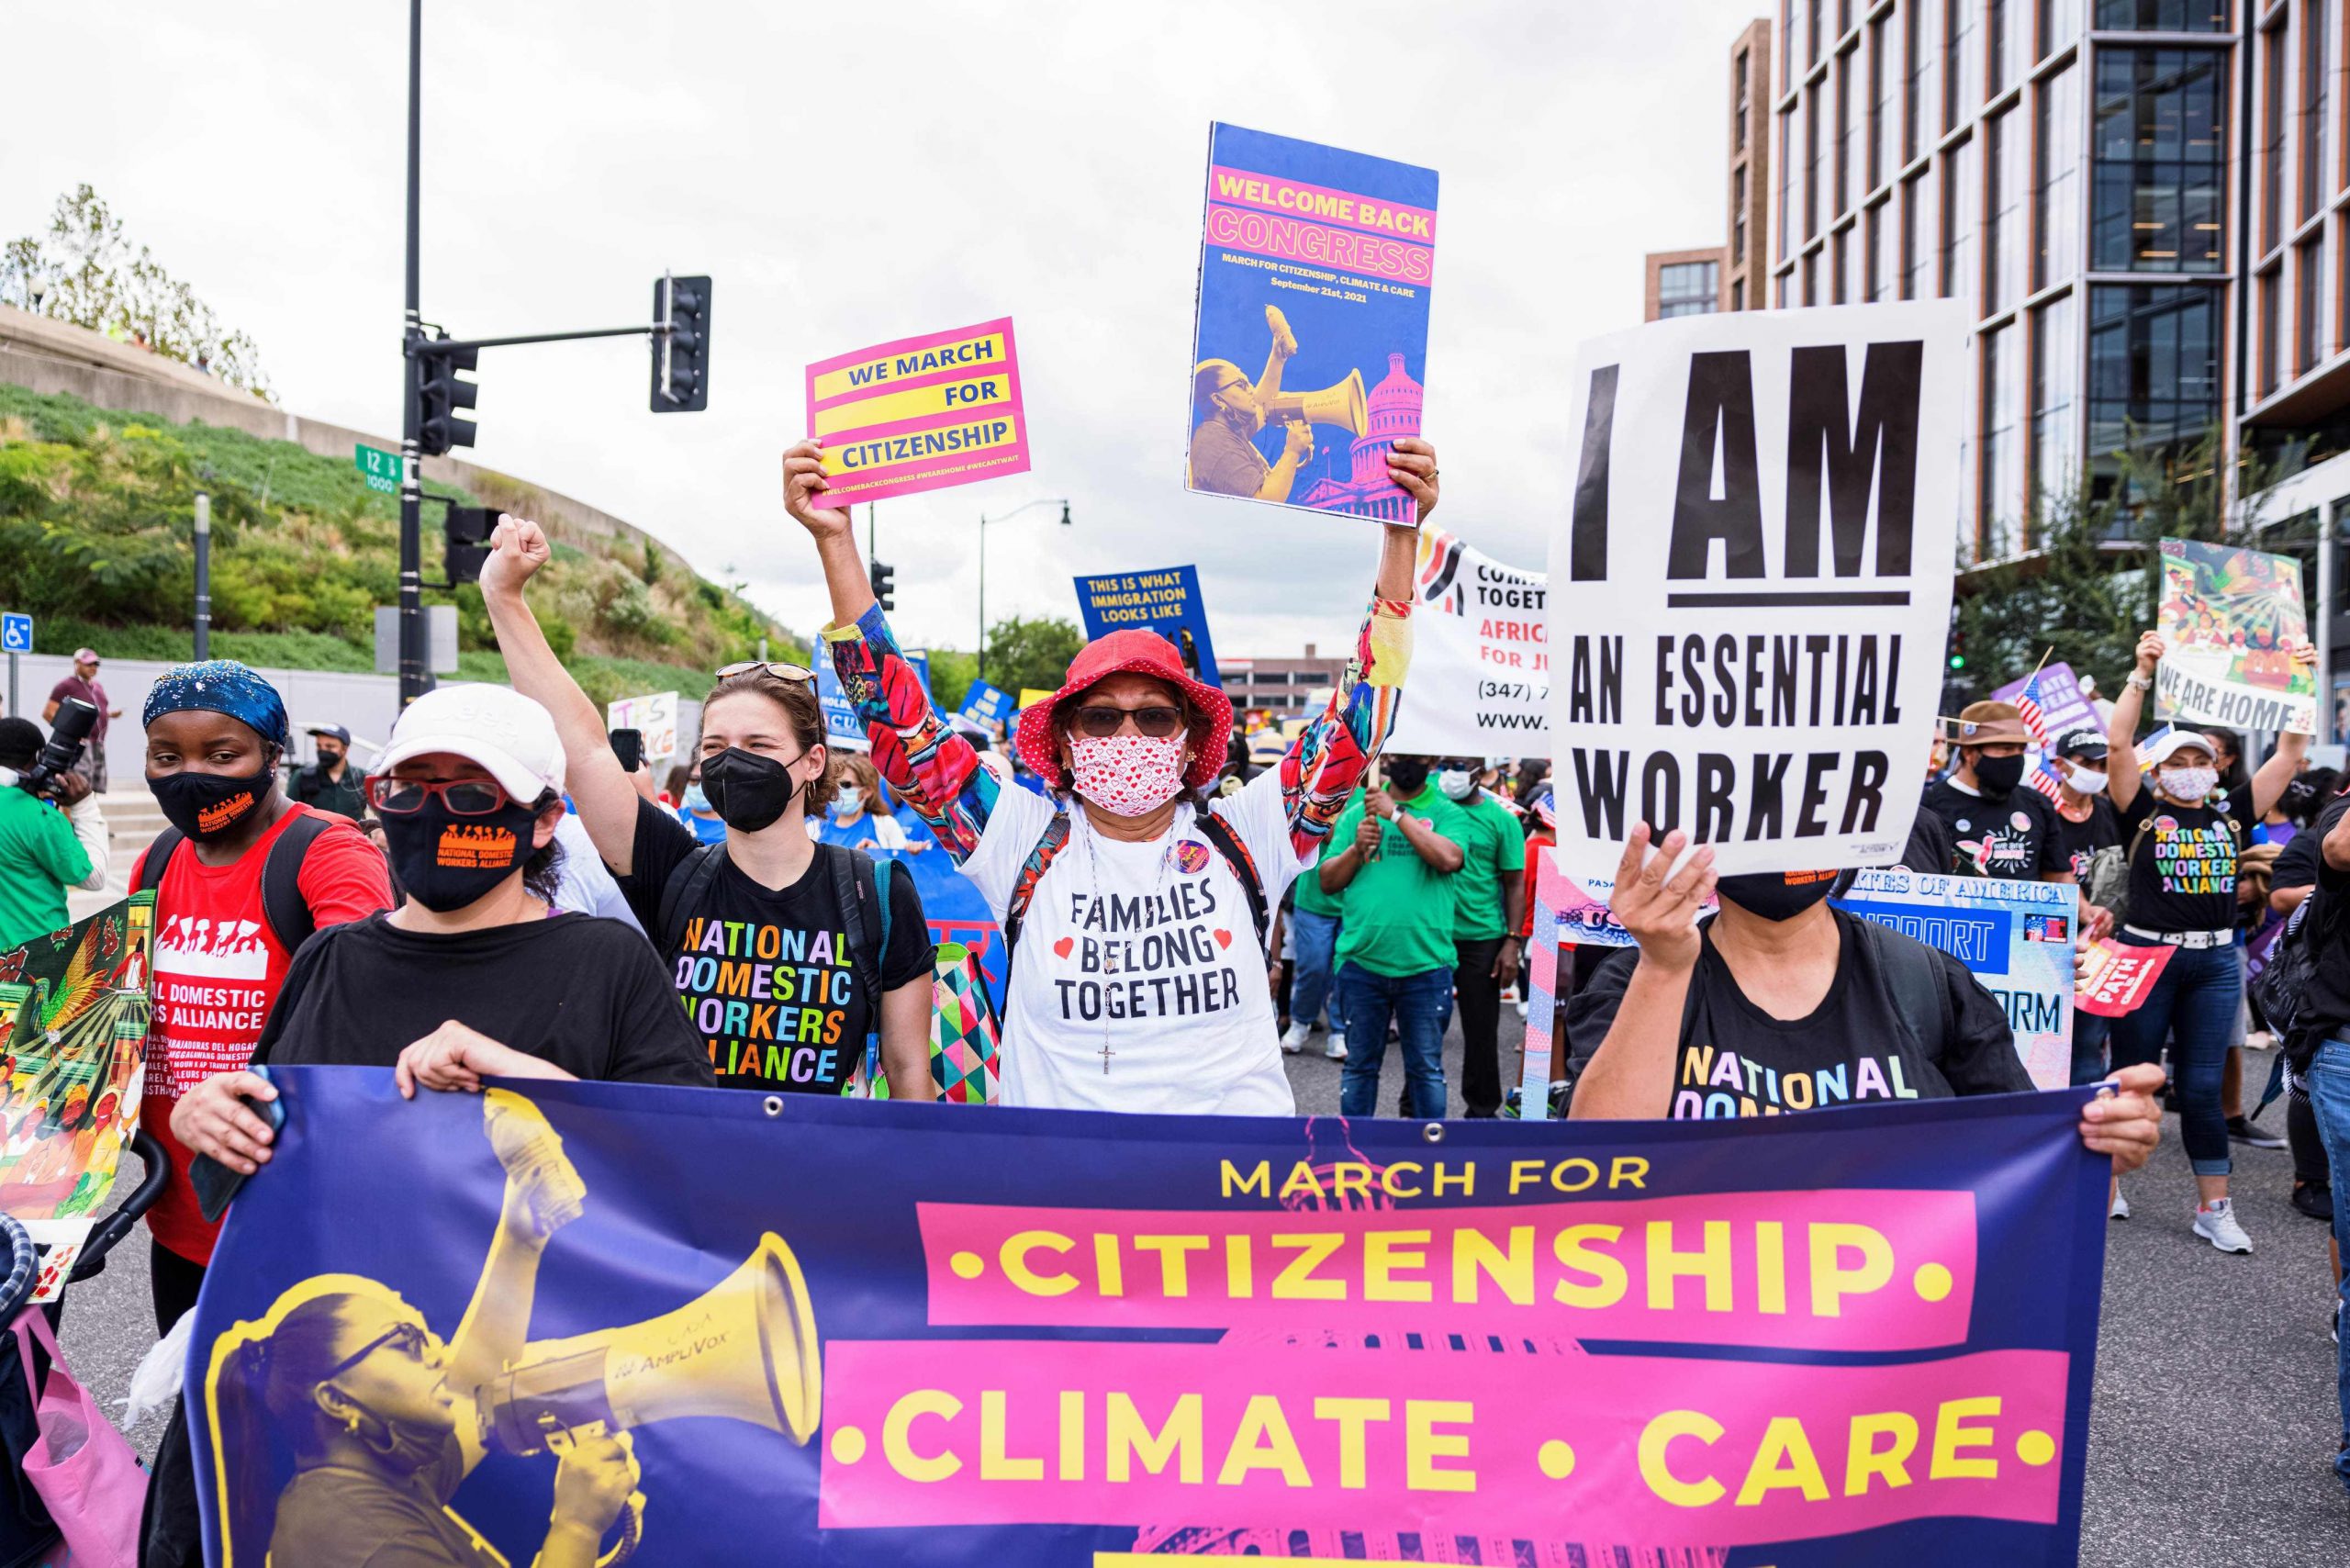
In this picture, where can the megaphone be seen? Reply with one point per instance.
(746, 1349)
(1342, 404)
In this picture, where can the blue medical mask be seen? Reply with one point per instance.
(694, 799)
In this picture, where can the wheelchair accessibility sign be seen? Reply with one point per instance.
(16, 632)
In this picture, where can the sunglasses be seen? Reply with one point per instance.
(1101, 723)
(789, 674)
(463, 797)
(408, 1338)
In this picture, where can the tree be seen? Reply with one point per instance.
(2084, 593)
(83, 271)
(1031, 652)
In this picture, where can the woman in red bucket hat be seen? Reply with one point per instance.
(1135, 909)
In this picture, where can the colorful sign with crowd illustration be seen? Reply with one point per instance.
(889, 1338)
(1166, 601)
(73, 1016)
(2015, 938)
(2231, 620)
(1753, 585)
(923, 413)
(1480, 657)
(1311, 343)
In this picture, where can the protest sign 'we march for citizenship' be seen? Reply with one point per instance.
(1751, 590)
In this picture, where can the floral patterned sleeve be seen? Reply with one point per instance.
(1330, 754)
(924, 762)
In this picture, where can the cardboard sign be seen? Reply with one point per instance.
(1750, 590)
(2015, 938)
(1310, 344)
(655, 715)
(1480, 657)
(2119, 976)
(1166, 601)
(923, 413)
(2230, 620)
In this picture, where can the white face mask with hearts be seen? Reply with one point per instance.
(1128, 775)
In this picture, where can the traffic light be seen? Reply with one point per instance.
(884, 585)
(681, 354)
(441, 394)
(468, 530)
(1957, 650)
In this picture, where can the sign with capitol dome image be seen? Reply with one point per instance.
(1310, 345)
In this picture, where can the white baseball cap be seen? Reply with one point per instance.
(2171, 745)
(506, 733)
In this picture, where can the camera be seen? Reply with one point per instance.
(68, 735)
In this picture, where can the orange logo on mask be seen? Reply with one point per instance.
(212, 819)
(474, 847)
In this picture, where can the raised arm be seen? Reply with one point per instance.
(1631, 1076)
(1328, 758)
(924, 762)
(599, 785)
(2268, 783)
(2122, 730)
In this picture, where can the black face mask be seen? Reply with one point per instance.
(1998, 775)
(1776, 895)
(207, 806)
(1408, 778)
(745, 789)
(445, 861)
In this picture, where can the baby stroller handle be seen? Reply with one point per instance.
(117, 1226)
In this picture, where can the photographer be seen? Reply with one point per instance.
(51, 837)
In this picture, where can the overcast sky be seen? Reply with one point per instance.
(853, 174)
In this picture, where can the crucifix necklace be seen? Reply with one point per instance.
(1093, 864)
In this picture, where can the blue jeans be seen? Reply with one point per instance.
(2194, 1006)
(2329, 1086)
(1418, 1004)
(1316, 940)
(2089, 1032)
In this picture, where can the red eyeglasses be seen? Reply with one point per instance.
(463, 797)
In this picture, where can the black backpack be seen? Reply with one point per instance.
(282, 903)
(2281, 988)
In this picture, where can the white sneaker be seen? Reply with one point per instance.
(2121, 1207)
(2217, 1224)
(1295, 1041)
(1336, 1046)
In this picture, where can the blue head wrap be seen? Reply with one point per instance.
(220, 686)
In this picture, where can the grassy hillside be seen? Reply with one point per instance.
(94, 543)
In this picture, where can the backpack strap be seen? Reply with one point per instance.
(282, 903)
(854, 881)
(158, 854)
(1024, 891)
(1243, 865)
(687, 886)
(1913, 972)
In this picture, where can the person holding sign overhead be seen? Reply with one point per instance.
(1782, 1002)
(1139, 984)
(2183, 895)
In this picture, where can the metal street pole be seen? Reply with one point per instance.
(2326, 728)
(983, 597)
(203, 576)
(413, 662)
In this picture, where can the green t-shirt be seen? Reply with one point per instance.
(1310, 896)
(40, 858)
(1398, 909)
(1493, 846)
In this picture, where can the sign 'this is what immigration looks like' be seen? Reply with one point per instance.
(1752, 590)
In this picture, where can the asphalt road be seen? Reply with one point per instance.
(2214, 1426)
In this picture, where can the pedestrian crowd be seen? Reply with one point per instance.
(499, 895)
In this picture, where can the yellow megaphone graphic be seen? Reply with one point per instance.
(1342, 403)
(745, 1348)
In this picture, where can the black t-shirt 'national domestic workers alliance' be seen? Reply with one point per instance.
(1859, 1045)
(766, 974)
(2183, 873)
(584, 994)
